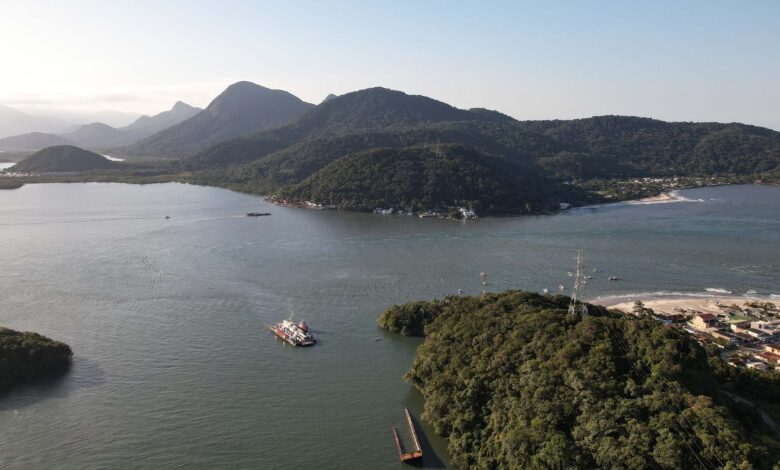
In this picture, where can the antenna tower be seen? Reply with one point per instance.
(575, 305)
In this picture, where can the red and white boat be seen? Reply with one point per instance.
(296, 334)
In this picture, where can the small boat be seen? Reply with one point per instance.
(257, 214)
(614, 278)
(167, 216)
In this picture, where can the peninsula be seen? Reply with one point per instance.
(514, 381)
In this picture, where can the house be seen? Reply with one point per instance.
(704, 321)
(758, 334)
(725, 335)
(773, 348)
(466, 213)
(756, 365)
(669, 318)
(767, 357)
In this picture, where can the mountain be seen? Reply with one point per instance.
(514, 381)
(328, 98)
(373, 109)
(145, 126)
(626, 146)
(242, 108)
(100, 136)
(63, 158)
(97, 136)
(32, 142)
(420, 177)
(582, 153)
(14, 122)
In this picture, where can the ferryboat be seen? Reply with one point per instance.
(296, 334)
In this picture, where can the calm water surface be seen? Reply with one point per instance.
(174, 366)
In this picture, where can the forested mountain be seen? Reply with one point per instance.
(552, 152)
(242, 108)
(63, 158)
(633, 146)
(513, 381)
(33, 141)
(373, 109)
(419, 177)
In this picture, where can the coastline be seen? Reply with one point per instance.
(671, 303)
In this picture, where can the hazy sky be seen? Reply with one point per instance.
(674, 60)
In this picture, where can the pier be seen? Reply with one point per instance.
(416, 453)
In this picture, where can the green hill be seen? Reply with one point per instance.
(430, 176)
(63, 158)
(27, 356)
(515, 382)
(242, 108)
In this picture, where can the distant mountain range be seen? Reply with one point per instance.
(63, 158)
(242, 108)
(100, 136)
(14, 122)
(380, 147)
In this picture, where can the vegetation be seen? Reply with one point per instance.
(430, 176)
(515, 382)
(596, 155)
(63, 158)
(242, 108)
(26, 356)
(7, 183)
(373, 148)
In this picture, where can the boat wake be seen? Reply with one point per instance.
(717, 290)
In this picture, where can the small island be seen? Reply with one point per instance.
(63, 159)
(26, 356)
(514, 381)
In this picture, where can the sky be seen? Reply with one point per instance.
(677, 60)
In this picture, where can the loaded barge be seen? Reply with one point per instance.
(296, 334)
(415, 453)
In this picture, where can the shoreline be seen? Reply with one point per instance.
(672, 302)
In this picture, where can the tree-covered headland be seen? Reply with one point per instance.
(515, 382)
(26, 356)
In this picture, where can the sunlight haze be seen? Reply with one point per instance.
(704, 61)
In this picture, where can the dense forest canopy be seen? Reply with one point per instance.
(26, 356)
(515, 382)
(421, 177)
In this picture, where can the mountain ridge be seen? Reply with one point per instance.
(242, 108)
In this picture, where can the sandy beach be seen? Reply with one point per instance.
(667, 304)
(671, 196)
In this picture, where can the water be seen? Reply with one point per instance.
(6, 165)
(174, 366)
